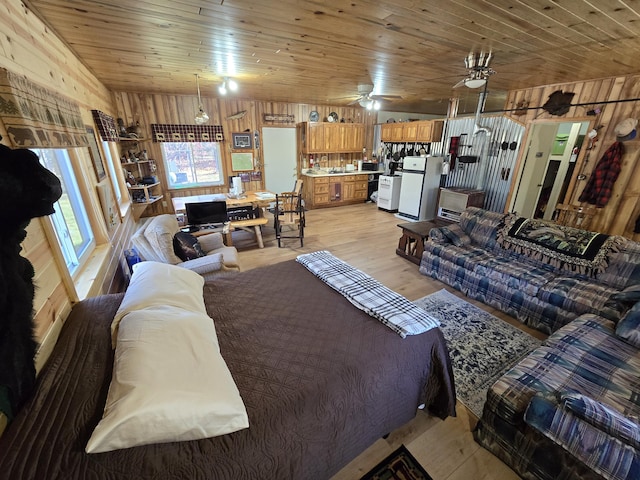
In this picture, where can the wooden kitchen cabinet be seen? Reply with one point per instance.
(419, 131)
(319, 137)
(429, 131)
(391, 132)
(334, 190)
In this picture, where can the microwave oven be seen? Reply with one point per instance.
(369, 166)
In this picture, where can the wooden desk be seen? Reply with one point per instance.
(414, 234)
(257, 199)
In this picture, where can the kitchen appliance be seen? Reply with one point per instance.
(372, 185)
(419, 189)
(389, 192)
(369, 166)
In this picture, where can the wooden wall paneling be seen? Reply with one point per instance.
(617, 215)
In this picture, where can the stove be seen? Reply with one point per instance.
(389, 192)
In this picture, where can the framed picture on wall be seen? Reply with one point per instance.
(241, 162)
(241, 141)
(94, 152)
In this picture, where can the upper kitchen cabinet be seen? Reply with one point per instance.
(419, 131)
(330, 137)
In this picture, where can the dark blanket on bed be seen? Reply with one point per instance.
(321, 382)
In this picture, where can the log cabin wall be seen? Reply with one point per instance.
(176, 109)
(620, 214)
(28, 47)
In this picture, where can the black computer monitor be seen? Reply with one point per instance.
(206, 213)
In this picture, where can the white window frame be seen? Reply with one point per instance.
(171, 170)
(74, 256)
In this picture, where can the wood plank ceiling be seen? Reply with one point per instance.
(319, 51)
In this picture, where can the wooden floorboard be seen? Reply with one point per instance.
(366, 238)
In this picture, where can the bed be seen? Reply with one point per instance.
(320, 379)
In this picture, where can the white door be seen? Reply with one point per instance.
(279, 147)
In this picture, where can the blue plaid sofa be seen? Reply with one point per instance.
(571, 408)
(527, 279)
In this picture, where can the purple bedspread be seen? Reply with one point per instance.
(320, 379)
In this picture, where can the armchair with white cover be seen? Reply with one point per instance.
(154, 241)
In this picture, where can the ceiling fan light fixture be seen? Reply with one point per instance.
(201, 117)
(475, 82)
(232, 84)
(222, 89)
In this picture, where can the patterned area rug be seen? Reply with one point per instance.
(399, 465)
(482, 347)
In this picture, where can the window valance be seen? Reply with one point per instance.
(106, 125)
(36, 116)
(163, 132)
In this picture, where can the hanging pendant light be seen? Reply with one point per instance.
(201, 116)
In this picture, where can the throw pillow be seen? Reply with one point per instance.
(456, 235)
(186, 246)
(628, 327)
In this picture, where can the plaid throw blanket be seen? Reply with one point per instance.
(369, 295)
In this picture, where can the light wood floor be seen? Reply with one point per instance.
(366, 238)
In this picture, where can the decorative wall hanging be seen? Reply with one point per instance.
(280, 117)
(559, 102)
(106, 126)
(94, 152)
(241, 162)
(241, 141)
(36, 116)
(164, 132)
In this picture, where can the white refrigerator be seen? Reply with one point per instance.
(419, 188)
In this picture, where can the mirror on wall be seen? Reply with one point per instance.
(548, 164)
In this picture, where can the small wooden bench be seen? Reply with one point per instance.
(246, 225)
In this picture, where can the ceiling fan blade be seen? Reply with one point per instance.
(384, 97)
(460, 83)
(354, 101)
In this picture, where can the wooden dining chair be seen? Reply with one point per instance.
(289, 213)
(575, 215)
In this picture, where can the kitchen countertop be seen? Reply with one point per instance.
(328, 173)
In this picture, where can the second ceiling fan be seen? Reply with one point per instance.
(367, 100)
(478, 70)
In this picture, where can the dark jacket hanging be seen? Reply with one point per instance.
(600, 185)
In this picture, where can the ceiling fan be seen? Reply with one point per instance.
(478, 70)
(367, 100)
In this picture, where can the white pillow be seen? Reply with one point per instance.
(169, 383)
(160, 284)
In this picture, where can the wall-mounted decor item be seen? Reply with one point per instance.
(108, 204)
(169, 132)
(241, 141)
(35, 116)
(241, 162)
(256, 175)
(281, 117)
(94, 152)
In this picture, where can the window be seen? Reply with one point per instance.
(192, 164)
(112, 171)
(70, 220)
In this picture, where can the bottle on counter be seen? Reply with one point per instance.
(364, 154)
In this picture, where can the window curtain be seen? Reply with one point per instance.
(106, 126)
(36, 116)
(186, 133)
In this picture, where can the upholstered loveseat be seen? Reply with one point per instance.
(154, 241)
(543, 274)
(570, 409)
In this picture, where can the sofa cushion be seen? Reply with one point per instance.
(513, 274)
(482, 225)
(623, 270)
(576, 295)
(456, 235)
(584, 356)
(628, 327)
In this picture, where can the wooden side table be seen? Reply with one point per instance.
(414, 234)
